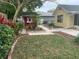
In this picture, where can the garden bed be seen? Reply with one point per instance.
(64, 35)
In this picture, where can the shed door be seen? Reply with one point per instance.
(76, 20)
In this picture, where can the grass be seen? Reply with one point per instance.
(45, 47)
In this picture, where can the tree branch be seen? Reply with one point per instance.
(18, 2)
(3, 1)
(17, 11)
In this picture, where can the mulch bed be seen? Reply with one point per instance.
(65, 35)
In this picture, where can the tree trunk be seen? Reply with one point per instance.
(16, 13)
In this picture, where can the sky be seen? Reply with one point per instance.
(52, 5)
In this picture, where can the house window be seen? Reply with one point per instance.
(60, 18)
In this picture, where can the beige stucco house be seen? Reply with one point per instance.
(66, 16)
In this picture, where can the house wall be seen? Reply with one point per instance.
(68, 19)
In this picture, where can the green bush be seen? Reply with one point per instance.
(77, 39)
(51, 24)
(34, 25)
(6, 40)
(19, 26)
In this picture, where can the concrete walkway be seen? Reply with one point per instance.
(23, 31)
(44, 28)
(67, 31)
(40, 33)
(45, 32)
(48, 31)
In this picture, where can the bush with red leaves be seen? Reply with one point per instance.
(6, 21)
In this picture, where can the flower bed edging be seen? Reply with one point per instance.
(12, 48)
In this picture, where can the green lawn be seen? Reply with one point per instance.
(46, 47)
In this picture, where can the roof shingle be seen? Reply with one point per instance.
(70, 8)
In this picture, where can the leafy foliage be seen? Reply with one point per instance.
(6, 40)
(29, 4)
(33, 4)
(34, 23)
(77, 39)
(7, 9)
(5, 21)
(51, 24)
(19, 26)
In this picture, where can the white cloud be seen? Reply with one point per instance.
(47, 6)
(71, 2)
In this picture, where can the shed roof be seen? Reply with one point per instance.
(29, 14)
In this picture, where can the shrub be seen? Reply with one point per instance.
(6, 40)
(19, 26)
(77, 39)
(45, 22)
(6, 21)
(51, 24)
(34, 25)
